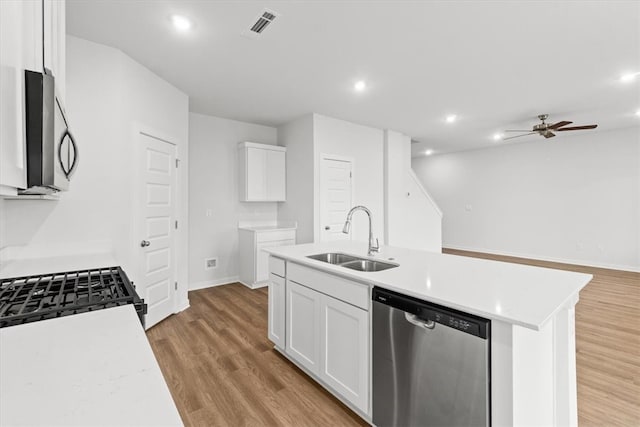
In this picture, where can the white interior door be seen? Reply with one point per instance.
(335, 197)
(156, 227)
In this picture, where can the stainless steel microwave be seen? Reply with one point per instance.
(51, 151)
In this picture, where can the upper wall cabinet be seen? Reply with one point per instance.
(262, 172)
(21, 49)
(54, 44)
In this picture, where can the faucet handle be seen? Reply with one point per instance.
(376, 248)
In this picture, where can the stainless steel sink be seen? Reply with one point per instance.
(369, 265)
(333, 258)
(353, 262)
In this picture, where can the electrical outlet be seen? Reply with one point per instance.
(209, 212)
(210, 263)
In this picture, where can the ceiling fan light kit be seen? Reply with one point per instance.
(545, 129)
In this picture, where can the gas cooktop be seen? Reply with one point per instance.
(39, 297)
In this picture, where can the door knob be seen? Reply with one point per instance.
(145, 243)
(326, 227)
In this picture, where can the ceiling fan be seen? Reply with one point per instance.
(545, 129)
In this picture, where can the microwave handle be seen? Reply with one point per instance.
(68, 173)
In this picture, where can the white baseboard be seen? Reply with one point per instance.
(255, 285)
(545, 258)
(212, 283)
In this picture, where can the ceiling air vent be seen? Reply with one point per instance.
(267, 17)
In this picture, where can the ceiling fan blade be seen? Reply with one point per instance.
(518, 136)
(558, 125)
(548, 134)
(518, 130)
(578, 128)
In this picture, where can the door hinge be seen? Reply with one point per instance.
(350, 176)
(176, 286)
(176, 224)
(177, 162)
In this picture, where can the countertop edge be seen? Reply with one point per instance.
(356, 276)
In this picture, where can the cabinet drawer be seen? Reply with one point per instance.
(276, 266)
(275, 235)
(352, 292)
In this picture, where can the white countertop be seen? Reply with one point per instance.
(88, 369)
(268, 227)
(32, 266)
(518, 294)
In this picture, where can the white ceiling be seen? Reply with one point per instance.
(496, 64)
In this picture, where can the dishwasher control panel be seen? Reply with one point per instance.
(453, 322)
(428, 311)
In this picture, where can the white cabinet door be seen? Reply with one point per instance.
(345, 350)
(256, 172)
(276, 320)
(54, 43)
(20, 49)
(276, 173)
(303, 326)
(262, 172)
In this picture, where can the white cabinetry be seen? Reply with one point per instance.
(344, 363)
(21, 49)
(54, 44)
(254, 262)
(262, 172)
(277, 301)
(303, 326)
(327, 335)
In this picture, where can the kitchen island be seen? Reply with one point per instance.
(531, 309)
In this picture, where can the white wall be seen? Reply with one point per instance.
(574, 198)
(297, 136)
(213, 178)
(412, 218)
(365, 145)
(107, 93)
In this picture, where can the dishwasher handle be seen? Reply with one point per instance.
(415, 320)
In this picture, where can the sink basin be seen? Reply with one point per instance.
(369, 265)
(333, 258)
(353, 262)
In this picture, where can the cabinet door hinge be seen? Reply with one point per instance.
(177, 162)
(350, 176)
(176, 224)
(176, 286)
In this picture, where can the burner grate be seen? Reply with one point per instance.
(31, 298)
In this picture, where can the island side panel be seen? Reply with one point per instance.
(565, 366)
(533, 373)
(501, 374)
(533, 376)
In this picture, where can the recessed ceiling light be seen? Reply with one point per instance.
(451, 118)
(360, 85)
(497, 137)
(428, 152)
(629, 77)
(181, 23)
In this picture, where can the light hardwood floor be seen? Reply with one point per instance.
(222, 370)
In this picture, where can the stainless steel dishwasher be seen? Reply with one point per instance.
(431, 364)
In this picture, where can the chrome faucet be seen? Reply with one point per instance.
(373, 243)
